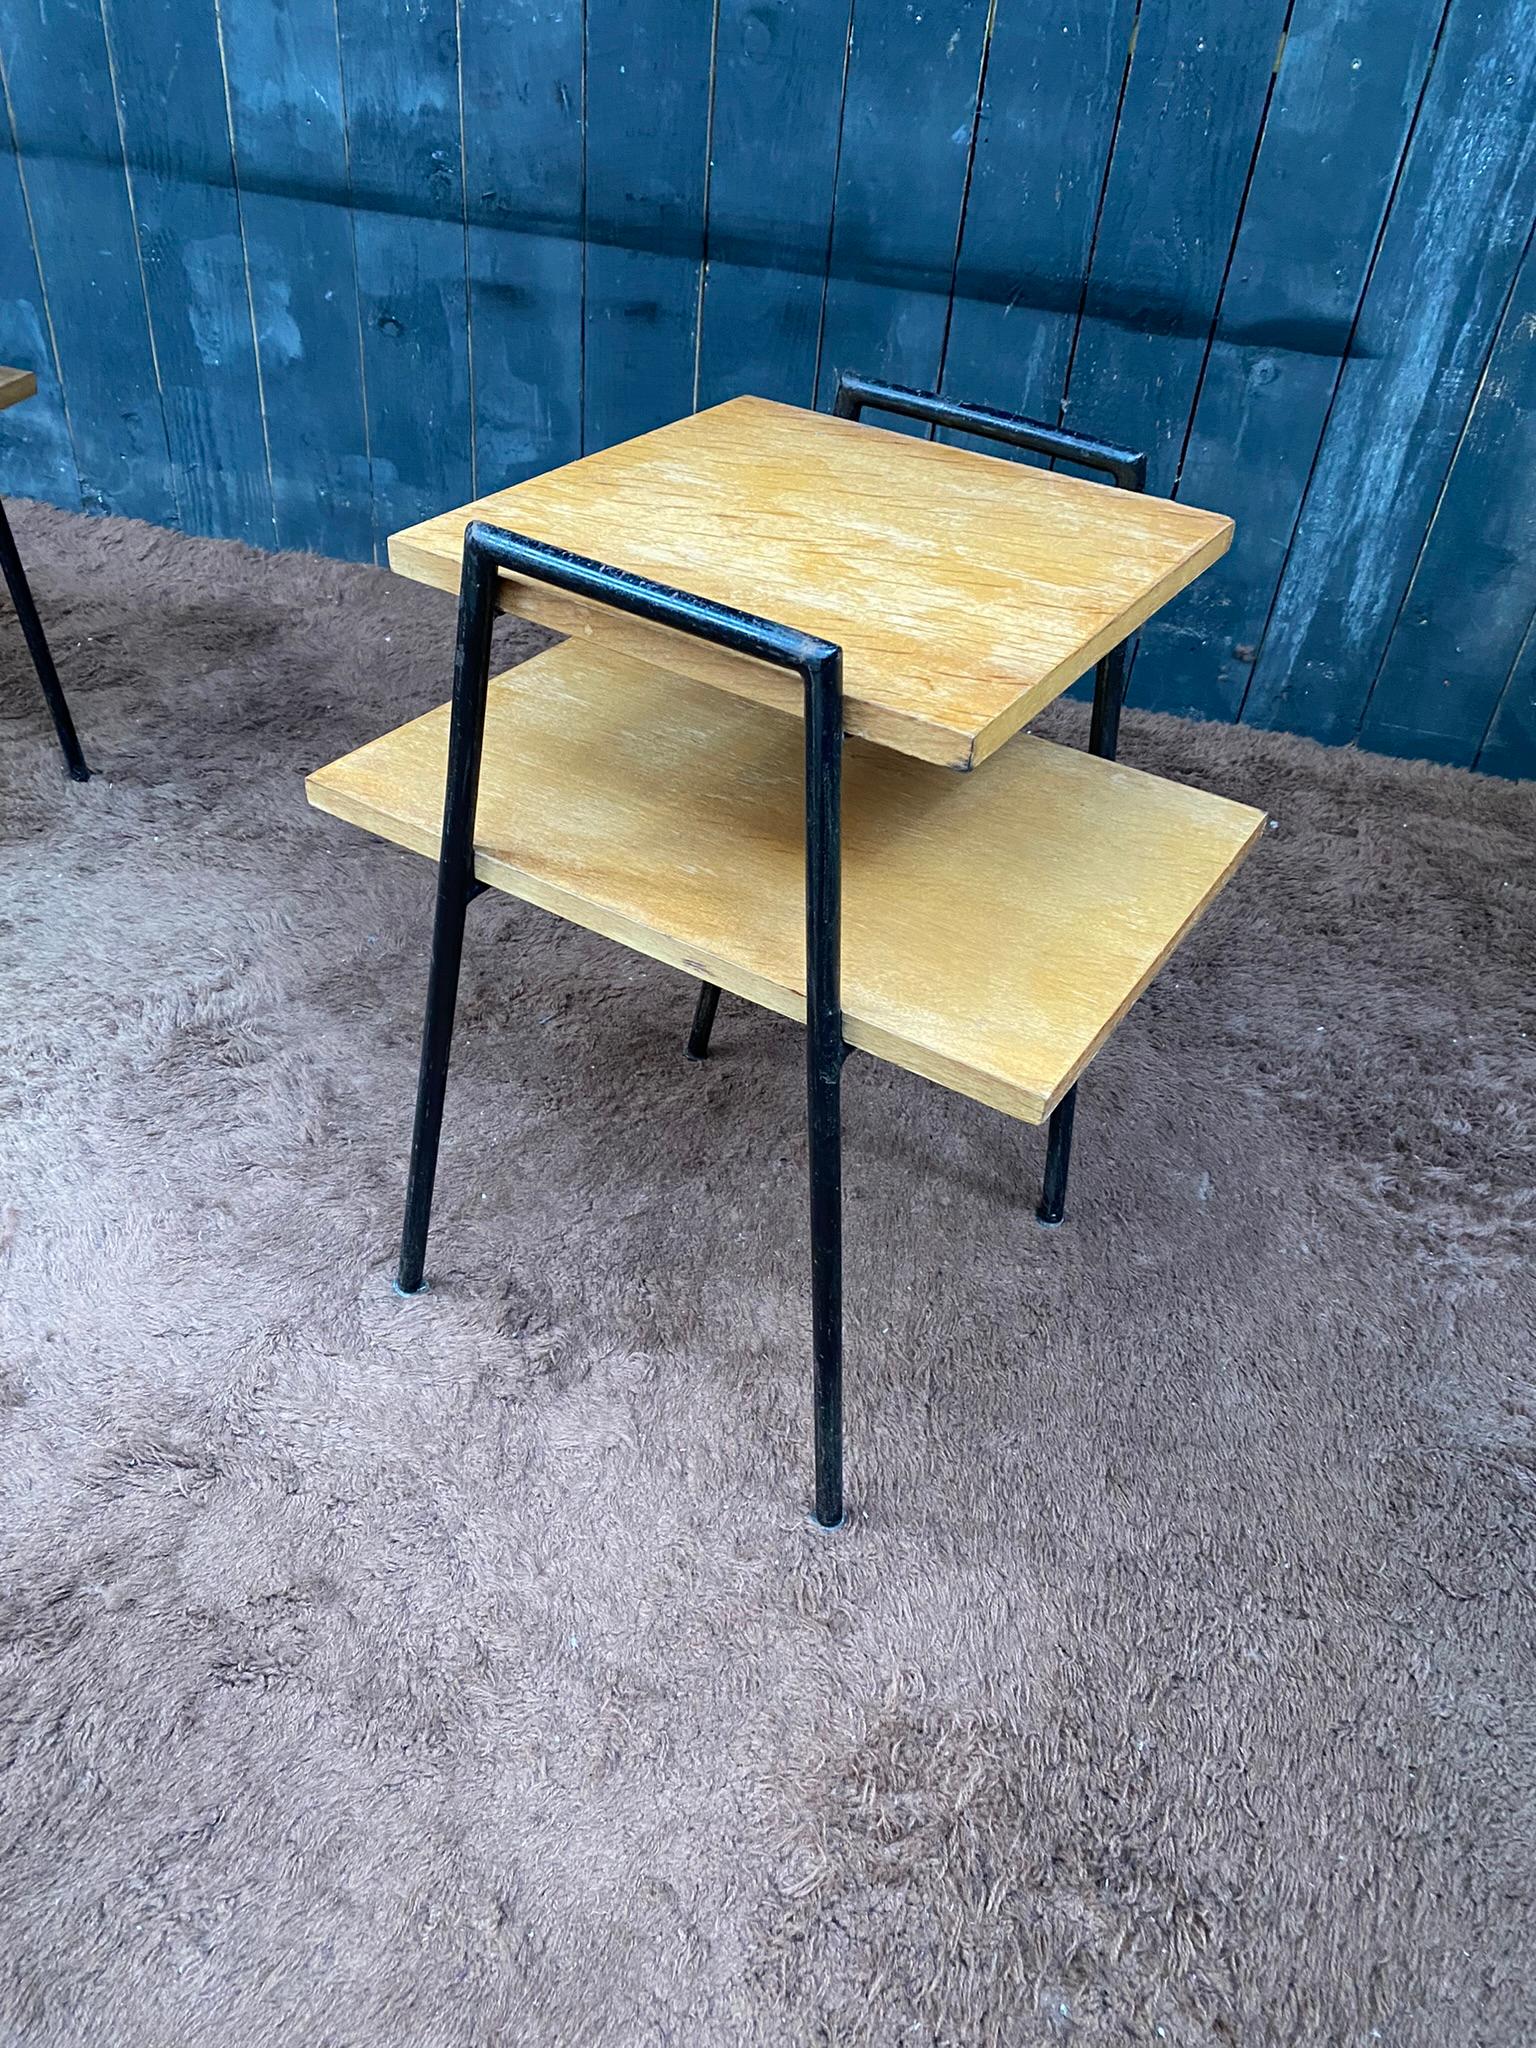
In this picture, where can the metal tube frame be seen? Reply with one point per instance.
(1126, 469)
(37, 647)
(488, 551)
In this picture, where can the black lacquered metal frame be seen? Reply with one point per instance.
(37, 646)
(1125, 468)
(487, 551)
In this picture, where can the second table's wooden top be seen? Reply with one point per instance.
(15, 385)
(965, 591)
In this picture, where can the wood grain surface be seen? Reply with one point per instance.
(995, 926)
(15, 385)
(966, 592)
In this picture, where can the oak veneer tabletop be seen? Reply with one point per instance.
(965, 591)
(15, 385)
(995, 927)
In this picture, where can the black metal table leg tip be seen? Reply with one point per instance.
(410, 1293)
(703, 1021)
(1048, 1222)
(827, 1528)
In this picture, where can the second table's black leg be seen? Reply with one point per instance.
(1103, 740)
(703, 1020)
(1127, 470)
(456, 890)
(432, 1081)
(37, 647)
(826, 1150)
(1058, 1158)
(824, 1051)
(488, 551)
(431, 1086)
(1109, 680)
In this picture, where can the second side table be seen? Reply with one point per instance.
(785, 630)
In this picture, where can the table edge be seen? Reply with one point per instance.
(20, 384)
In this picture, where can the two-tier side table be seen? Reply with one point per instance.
(787, 632)
(16, 385)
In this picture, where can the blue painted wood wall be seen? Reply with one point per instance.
(301, 271)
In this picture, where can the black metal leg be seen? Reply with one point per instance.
(824, 1052)
(1104, 740)
(432, 1083)
(1108, 703)
(826, 1148)
(37, 647)
(1127, 469)
(1058, 1157)
(456, 889)
(431, 1086)
(488, 552)
(703, 1021)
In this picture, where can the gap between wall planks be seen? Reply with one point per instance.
(348, 267)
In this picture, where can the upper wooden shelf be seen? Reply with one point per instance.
(965, 591)
(995, 927)
(15, 385)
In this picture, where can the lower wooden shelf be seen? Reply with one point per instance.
(996, 926)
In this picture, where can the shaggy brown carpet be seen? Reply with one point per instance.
(464, 1670)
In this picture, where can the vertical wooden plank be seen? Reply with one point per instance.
(1193, 102)
(1510, 748)
(37, 458)
(400, 75)
(779, 72)
(1473, 590)
(60, 89)
(1452, 243)
(1344, 101)
(522, 97)
(648, 86)
(909, 121)
(1047, 121)
(170, 96)
(283, 73)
